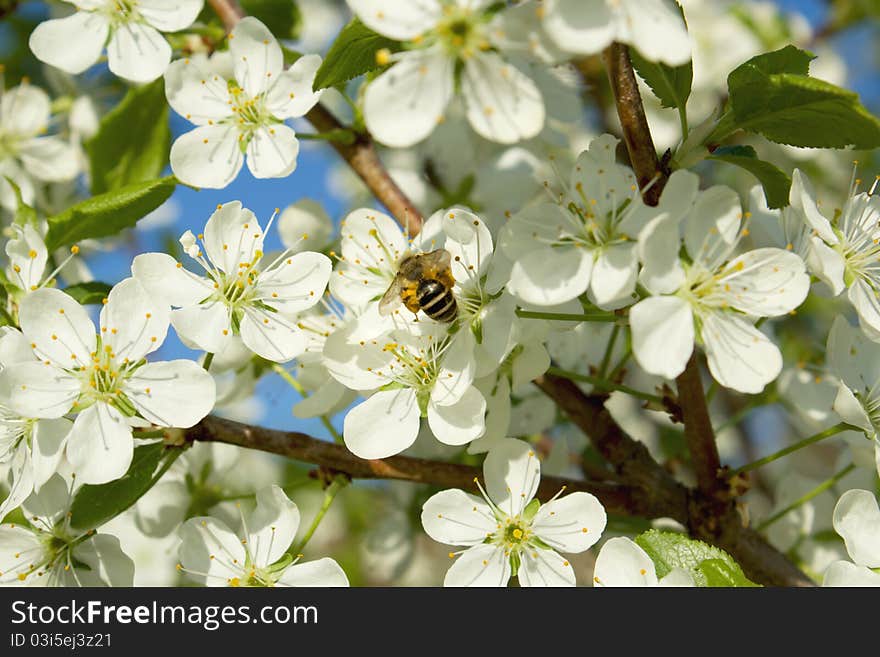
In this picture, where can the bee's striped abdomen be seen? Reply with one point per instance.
(436, 300)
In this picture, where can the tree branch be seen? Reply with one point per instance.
(337, 458)
(360, 155)
(698, 433)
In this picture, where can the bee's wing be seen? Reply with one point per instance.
(439, 259)
(391, 299)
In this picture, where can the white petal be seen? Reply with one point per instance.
(512, 473)
(857, 520)
(138, 52)
(73, 43)
(271, 152)
(613, 279)
(19, 547)
(272, 526)
(271, 335)
(582, 26)
(621, 562)
(657, 30)
(100, 445)
(659, 243)
(38, 390)
(232, 237)
(108, 564)
(295, 284)
(28, 256)
(865, 300)
(25, 110)
(572, 523)
(208, 156)
(321, 572)
(853, 358)
(404, 104)
(14, 347)
(196, 93)
(133, 322)
(503, 104)
(49, 439)
(50, 159)
(256, 55)
(163, 277)
(851, 410)
(305, 226)
(366, 426)
(765, 282)
(712, 228)
(843, 573)
(480, 565)
(170, 15)
(803, 198)
(208, 546)
(21, 484)
(205, 326)
(457, 518)
(828, 264)
(677, 577)
(176, 393)
(292, 94)
(58, 326)
(397, 19)
(548, 276)
(541, 567)
(456, 372)
(354, 364)
(461, 422)
(739, 355)
(662, 335)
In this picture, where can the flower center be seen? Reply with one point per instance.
(121, 12)
(250, 113)
(513, 534)
(461, 32)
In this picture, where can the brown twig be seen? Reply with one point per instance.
(698, 432)
(361, 155)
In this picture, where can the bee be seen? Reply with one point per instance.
(423, 282)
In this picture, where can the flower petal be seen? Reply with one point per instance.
(72, 43)
(271, 335)
(366, 426)
(844, 573)
(232, 237)
(765, 282)
(404, 104)
(711, 230)
(256, 55)
(50, 159)
(613, 279)
(454, 517)
(100, 445)
(272, 526)
(205, 326)
(582, 26)
(21, 484)
(803, 199)
(170, 15)
(572, 523)
(195, 92)
(292, 94)
(321, 572)
(138, 52)
(208, 546)
(297, 283)
(175, 393)
(541, 567)
(662, 335)
(37, 390)
(656, 28)
(461, 422)
(621, 562)
(857, 520)
(397, 19)
(48, 441)
(163, 277)
(739, 355)
(208, 156)
(512, 473)
(271, 152)
(58, 327)
(133, 322)
(25, 110)
(480, 565)
(547, 276)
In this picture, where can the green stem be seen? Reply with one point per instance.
(568, 317)
(815, 438)
(604, 384)
(339, 482)
(296, 385)
(621, 364)
(158, 433)
(818, 490)
(209, 358)
(683, 119)
(711, 392)
(603, 366)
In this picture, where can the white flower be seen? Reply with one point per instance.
(104, 377)
(452, 47)
(241, 295)
(621, 562)
(654, 27)
(27, 155)
(256, 555)
(305, 226)
(243, 116)
(712, 297)
(419, 372)
(855, 361)
(49, 552)
(857, 520)
(586, 241)
(28, 256)
(844, 252)
(32, 448)
(130, 29)
(508, 532)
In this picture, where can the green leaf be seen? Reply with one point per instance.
(719, 572)
(108, 213)
(671, 84)
(24, 214)
(133, 140)
(95, 505)
(772, 95)
(282, 17)
(88, 293)
(775, 182)
(669, 550)
(353, 53)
